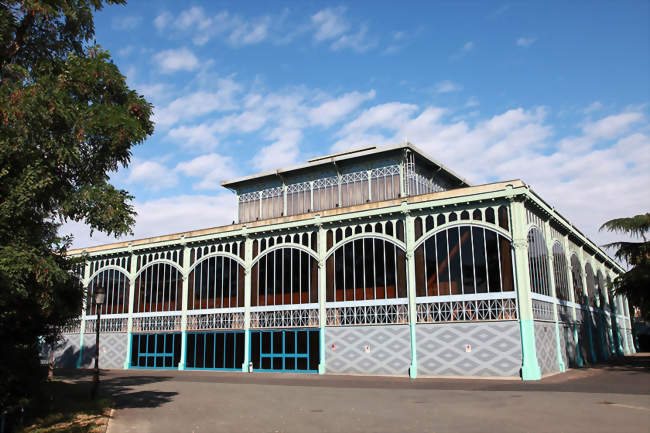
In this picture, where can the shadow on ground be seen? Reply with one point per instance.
(121, 388)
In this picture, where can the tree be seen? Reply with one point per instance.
(67, 121)
(635, 283)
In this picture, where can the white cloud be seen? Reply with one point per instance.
(525, 42)
(199, 103)
(175, 60)
(283, 152)
(594, 106)
(165, 216)
(253, 32)
(468, 46)
(162, 20)
(126, 23)
(211, 168)
(612, 126)
(152, 174)
(448, 86)
(472, 102)
(329, 23)
(334, 110)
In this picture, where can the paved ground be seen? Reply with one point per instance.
(607, 398)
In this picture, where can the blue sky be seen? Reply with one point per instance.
(553, 93)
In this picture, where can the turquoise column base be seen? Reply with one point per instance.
(529, 366)
(127, 360)
(413, 368)
(576, 337)
(560, 360)
(181, 364)
(321, 342)
(247, 345)
(81, 349)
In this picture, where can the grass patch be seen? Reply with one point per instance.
(65, 406)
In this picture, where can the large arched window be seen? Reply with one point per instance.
(538, 263)
(463, 260)
(216, 282)
(116, 285)
(284, 276)
(158, 288)
(366, 269)
(560, 272)
(591, 285)
(576, 276)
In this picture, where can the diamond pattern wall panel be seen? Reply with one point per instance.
(66, 353)
(469, 349)
(368, 350)
(112, 350)
(569, 352)
(546, 347)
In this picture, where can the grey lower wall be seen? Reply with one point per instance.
(368, 350)
(495, 349)
(112, 350)
(546, 347)
(66, 352)
(568, 345)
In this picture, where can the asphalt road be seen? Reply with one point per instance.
(607, 398)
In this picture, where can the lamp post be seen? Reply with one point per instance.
(100, 297)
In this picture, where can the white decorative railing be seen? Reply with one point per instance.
(230, 320)
(107, 325)
(157, 323)
(543, 310)
(284, 318)
(379, 314)
(467, 310)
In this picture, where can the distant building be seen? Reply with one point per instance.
(375, 261)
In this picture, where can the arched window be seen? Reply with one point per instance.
(116, 284)
(463, 260)
(216, 282)
(366, 269)
(576, 275)
(284, 276)
(158, 288)
(591, 285)
(560, 272)
(538, 263)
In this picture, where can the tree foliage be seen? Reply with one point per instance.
(635, 283)
(68, 120)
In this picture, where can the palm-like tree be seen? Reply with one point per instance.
(635, 283)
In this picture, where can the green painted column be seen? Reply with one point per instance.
(530, 369)
(82, 327)
(129, 324)
(556, 305)
(186, 272)
(410, 285)
(248, 260)
(322, 285)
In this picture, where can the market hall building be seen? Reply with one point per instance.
(376, 261)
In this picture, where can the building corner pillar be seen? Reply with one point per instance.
(530, 369)
(248, 267)
(322, 285)
(409, 225)
(186, 276)
(129, 324)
